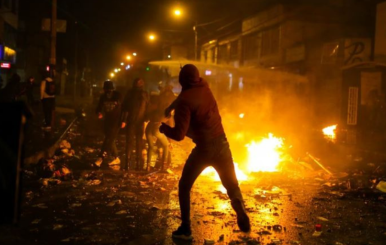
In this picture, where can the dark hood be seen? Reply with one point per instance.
(190, 77)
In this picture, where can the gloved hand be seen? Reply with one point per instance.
(162, 127)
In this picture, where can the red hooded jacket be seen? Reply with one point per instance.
(196, 112)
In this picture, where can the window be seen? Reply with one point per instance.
(251, 46)
(234, 50)
(223, 53)
(270, 41)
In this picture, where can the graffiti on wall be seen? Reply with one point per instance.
(357, 50)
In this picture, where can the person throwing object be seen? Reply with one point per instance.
(197, 116)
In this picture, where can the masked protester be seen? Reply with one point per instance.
(156, 116)
(110, 103)
(133, 115)
(47, 96)
(197, 116)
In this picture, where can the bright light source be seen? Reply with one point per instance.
(151, 37)
(241, 115)
(128, 57)
(115, 70)
(122, 64)
(169, 56)
(208, 72)
(112, 74)
(134, 54)
(119, 69)
(177, 12)
(128, 67)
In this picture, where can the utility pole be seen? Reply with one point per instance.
(53, 38)
(76, 59)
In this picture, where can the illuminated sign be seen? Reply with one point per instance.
(5, 65)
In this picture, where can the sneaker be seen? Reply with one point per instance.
(98, 162)
(116, 161)
(183, 233)
(242, 217)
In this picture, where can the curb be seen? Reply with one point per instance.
(50, 151)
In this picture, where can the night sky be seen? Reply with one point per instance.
(109, 29)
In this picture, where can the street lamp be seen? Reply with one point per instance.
(128, 57)
(112, 75)
(151, 37)
(177, 12)
(122, 64)
(134, 54)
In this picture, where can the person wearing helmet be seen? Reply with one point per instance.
(110, 104)
(197, 116)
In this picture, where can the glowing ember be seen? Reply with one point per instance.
(264, 156)
(329, 132)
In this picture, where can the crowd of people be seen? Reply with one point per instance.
(196, 115)
(131, 113)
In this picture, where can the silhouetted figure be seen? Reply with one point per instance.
(110, 104)
(47, 96)
(197, 116)
(134, 108)
(156, 116)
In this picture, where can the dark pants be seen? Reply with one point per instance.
(216, 154)
(48, 110)
(152, 132)
(134, 130)
(111, 129)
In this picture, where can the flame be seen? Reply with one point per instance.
(210, 171)
(329, 132)
(265, 155)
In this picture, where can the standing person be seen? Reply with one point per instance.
(134, 108)
(29, 90)
(109, 103)
(197, 116)
(47, 96)
(156, 116)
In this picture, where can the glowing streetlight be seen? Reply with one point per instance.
(128, 57)
(116, 70)
(134, 54)
(169, 56)
(122, 64)
(112, 75)
(177, 12)
(151, 37)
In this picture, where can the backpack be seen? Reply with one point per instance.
(50, 88)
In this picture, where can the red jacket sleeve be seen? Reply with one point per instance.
(182, 122)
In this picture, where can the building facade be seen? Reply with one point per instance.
(313, 39)
(8, 37)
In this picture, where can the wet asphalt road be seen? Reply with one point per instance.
(114, 207)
